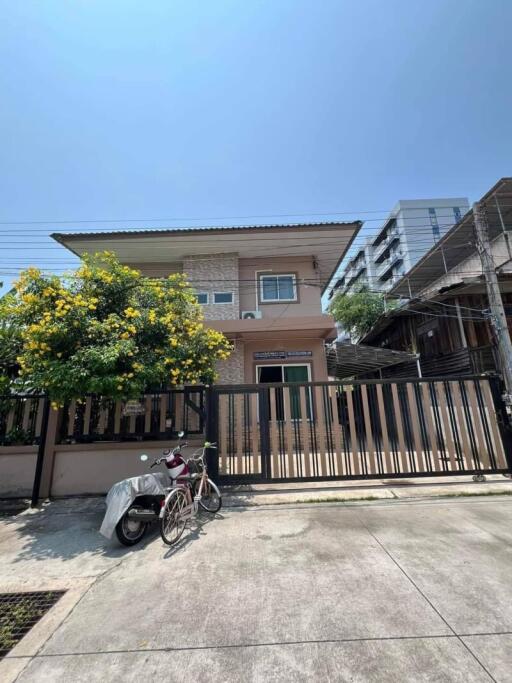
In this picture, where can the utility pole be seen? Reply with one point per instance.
(498, 318)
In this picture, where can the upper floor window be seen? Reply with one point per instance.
(434, 223)
(202, 298)
(282, 287)
(223, 297)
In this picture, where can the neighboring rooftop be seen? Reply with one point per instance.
(458, 243)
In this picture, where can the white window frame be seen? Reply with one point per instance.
(223, 303)
(263, 300)
(206, 294)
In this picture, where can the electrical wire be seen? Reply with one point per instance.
(387, 215)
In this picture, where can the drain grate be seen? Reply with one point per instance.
(19, 612)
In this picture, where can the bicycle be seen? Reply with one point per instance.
(191, 491)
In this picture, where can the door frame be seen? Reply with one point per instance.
(282, 365)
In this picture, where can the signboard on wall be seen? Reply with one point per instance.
(133, 408)
(281, 355)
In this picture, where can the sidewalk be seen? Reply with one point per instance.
(339, 491)
(379, 591)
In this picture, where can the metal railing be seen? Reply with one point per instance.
(21, 419)
(156, 415)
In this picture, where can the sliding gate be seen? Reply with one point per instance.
(371, 429)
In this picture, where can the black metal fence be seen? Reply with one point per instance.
(332, 430)
(155, 415)
(21, 419)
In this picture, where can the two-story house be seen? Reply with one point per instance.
(259, 285)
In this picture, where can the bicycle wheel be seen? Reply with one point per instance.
(211, 500)
(172, 523)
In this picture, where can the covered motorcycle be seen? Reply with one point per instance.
(131, 505)
(134, 503)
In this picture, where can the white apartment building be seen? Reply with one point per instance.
(412, 228)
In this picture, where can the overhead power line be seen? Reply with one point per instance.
(190, 229)
(387, 214)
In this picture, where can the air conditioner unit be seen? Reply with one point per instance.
(250, 315)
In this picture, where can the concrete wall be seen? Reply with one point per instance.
(17, 469)
(93, 468)
(217, 273)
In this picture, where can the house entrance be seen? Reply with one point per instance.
(275, 374)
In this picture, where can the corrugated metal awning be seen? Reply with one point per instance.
(345, 359)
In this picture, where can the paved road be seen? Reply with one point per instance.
(380, 591)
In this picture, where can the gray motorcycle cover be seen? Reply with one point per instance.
(122, 495)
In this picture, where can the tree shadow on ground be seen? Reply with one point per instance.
(64, 530)
(68, 529)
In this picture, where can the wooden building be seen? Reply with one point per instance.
(443, 311)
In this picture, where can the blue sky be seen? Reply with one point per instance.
(117, 109)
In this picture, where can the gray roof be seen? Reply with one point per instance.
(60, 236)
(345, 359)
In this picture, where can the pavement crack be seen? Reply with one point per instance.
(425, 597)
(231, 646)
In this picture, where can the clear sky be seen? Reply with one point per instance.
(124, 110)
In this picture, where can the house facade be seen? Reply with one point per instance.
(260, 286)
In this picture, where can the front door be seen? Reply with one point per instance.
(272, 374)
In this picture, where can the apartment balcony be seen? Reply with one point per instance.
(380, 251)
(385, 269)
(386, 230)
(356, 260)
(356, 285)
(357, 273)
(387, 284)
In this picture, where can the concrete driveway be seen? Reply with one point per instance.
(380, 591)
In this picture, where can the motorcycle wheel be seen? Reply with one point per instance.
(130, 531)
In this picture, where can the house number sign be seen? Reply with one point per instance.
(133, 408)
(281, 355)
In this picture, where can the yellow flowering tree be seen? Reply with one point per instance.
(108, 330)
(10, 343)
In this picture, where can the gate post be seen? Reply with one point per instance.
(212, 431)
(502, 416)
(43, 437)
(266, 470)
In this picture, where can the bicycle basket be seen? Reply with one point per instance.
(195, 466)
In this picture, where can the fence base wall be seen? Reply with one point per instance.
(17, 465)
(81, 469)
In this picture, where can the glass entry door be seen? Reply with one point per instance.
(271, 374)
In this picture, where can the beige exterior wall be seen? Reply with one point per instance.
(17, 469)
(93, 469)
(309, 296)
(210, 274)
